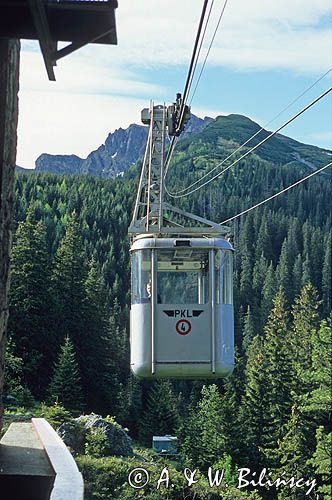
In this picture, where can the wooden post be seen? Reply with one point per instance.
(9, 82)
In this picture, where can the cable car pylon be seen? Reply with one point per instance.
(181, 317)
(151, 213)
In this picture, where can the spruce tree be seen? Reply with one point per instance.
(160, 414)
(69, 275)
(98, 350)
(269, 292)
(279, 375)
(255, 403)
(232, 415)
(249, 330)
(292, 454)
(284, 273)
(297, 275)
(120, 340)
(130, 405)
(317, 403)
(305, 321)
(65, 387)
(321, 461)
(246, 280)
(317, 256)
(294, 240)
(30, 321)
(258, 279)
(263, 245)
(318, 400)
(68, 285)
(203, 440)
(306, 271)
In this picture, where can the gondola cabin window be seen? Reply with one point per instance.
(183, 276)
(141, 277)
(224, 281)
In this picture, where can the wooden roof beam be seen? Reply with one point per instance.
(75, 46)
(47, 46)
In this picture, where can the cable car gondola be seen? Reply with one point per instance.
(181, 319)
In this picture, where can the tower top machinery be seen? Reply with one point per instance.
(152, 215)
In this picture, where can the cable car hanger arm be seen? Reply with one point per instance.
(150, 209)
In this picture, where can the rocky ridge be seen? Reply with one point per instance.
(122, 148)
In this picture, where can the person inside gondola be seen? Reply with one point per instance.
(149, 289)
(149, 292)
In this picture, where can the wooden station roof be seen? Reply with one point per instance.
(78, 22)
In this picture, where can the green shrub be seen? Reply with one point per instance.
(97, 444)
(15, 392)
(230, 472)
(56, 414)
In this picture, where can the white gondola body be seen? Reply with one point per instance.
(184, 328)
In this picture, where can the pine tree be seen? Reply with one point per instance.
(203, 440)
(258, 279)
(263, 245)
(120, 340)
(305, 321)
(130, 405)
(255, 404)
(292, 453)
(98, 350)
(15, 390)
(321, 461)
(294, 240)
(284, 272)
(65, 387)
(279, 374)
(68, 283)
(306, 271)
(160, 414)
(232, 415)
(249, 330)
(318, 401)
(269, 292)
(31, 305)
(246, 280)
(297, 275)
(69, 275)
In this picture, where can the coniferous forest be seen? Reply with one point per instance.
(69, 325)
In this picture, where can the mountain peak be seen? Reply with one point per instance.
(121, 149)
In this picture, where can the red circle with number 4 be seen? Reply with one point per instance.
(183, 327)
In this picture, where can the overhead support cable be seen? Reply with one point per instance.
(277, 194)
(192, 65)
(208, 51)
(251, 150)
(199, 51)
(170, 154)
(191, 72)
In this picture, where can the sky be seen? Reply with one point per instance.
(266, 53)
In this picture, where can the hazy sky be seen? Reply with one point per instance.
(266, 53)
